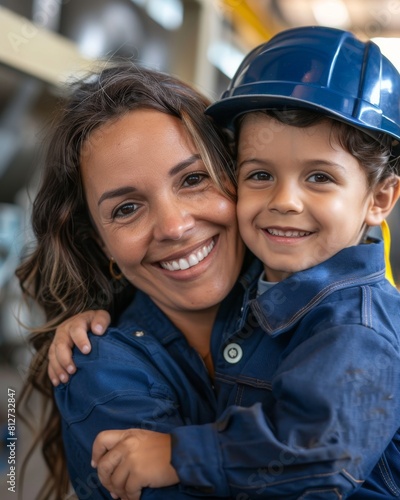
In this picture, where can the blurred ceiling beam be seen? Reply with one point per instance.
(37, 51)
(252, 23)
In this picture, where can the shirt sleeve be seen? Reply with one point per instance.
(115, 387)
(336, 410)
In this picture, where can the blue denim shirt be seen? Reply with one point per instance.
(308, 390)
(142, 373)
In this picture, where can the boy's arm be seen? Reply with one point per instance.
(129, 460)
(336, 410)
(70, 333)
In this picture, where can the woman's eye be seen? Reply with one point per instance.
(319, 178)
(125, 210)
(193, 179)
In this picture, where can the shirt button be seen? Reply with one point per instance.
(233, 353)
(138, 333)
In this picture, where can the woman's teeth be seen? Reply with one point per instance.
(287, 234)
(192, 260)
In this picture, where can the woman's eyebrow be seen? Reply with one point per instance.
(183, 164)
(115, 193)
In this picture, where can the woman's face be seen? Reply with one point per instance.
(158, 213)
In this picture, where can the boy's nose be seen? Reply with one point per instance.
(285, 198)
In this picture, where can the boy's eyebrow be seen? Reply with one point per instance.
(254, 160)
(310, 163)
(319, 163)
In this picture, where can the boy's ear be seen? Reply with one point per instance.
(384, 198)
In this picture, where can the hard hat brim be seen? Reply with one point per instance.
(226, 111)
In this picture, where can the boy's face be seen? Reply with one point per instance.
(301, 196)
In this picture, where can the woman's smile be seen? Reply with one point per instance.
(189, 259)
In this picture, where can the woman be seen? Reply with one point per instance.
(132, 185)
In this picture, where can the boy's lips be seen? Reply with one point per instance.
(287, 232)
(189, 259)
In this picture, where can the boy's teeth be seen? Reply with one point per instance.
(287, 234)
(192, 260)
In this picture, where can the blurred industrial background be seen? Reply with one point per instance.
(44, 43)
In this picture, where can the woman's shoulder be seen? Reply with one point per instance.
(119, 367)
(128, 346)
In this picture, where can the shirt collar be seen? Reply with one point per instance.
(287, 302)
(251, 270)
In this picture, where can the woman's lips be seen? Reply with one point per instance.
(190, 260)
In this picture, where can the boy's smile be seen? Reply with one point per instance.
(301, 197)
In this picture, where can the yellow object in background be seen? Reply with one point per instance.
(386, 242)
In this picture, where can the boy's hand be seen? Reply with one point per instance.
(129, 460)
(72, 332)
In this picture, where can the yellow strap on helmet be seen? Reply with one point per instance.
(386, 242)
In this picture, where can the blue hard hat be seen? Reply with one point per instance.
(319, 68)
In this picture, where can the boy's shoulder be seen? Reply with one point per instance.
(349, 287)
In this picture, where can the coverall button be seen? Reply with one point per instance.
(233, 353)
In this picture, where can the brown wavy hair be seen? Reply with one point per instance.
(67, 272)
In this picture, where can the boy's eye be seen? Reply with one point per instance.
(193, 179)
(125, 210)
(260, 176)
(319, 178)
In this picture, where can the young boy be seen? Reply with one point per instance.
(309, 383)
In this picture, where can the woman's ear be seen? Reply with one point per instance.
(96, 237)
(384, 198)
(103, 247)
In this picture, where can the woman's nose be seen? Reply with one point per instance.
(172, 221)
(285, 198)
